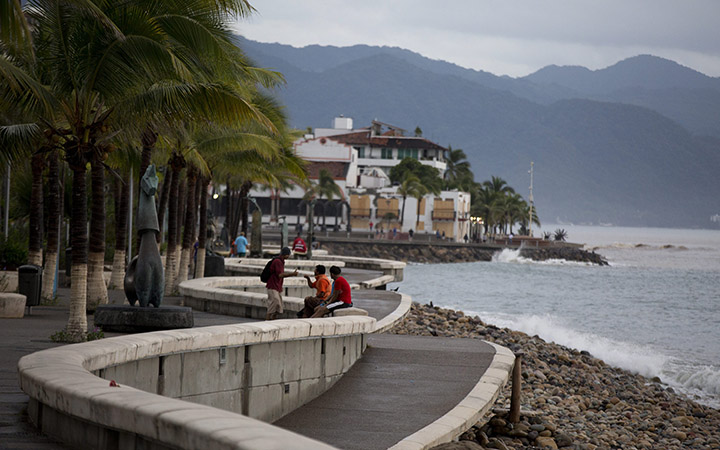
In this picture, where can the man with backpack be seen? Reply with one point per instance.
(274, 284)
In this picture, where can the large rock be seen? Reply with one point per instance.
(12, 306)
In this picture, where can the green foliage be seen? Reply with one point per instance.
(428, 176)
(64, 336)
(560, 235)
(13, 249)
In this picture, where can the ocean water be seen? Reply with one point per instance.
(655, 310)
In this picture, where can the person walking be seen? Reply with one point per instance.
(274, 284)
(299, 247)
(241, 245)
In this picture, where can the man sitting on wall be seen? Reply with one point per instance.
(322, 292)
(339, 298)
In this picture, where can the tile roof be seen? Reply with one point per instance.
(338, 170)
(365, 138)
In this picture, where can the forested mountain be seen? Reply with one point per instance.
(637, 143)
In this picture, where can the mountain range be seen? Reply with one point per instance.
(636, 143)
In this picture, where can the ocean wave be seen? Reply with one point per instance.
(509, 256)
(700, 382)
(635, 358)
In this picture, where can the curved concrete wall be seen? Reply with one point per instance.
(263, 370)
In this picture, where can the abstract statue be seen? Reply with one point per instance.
(144, 279)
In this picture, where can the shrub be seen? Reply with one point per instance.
(13, 250)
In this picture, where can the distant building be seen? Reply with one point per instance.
(359, 161)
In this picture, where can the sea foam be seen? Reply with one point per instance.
(701, 382)
(635, 358)
(509, 256)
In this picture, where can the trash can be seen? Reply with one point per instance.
(30, 283)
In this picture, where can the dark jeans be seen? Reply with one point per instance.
(310, 304)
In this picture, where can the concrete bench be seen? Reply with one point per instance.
(12, 306)
(352, 311)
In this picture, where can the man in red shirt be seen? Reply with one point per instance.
(275, 284)
(340, 296)
(299, 247)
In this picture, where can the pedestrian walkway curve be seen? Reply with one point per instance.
(406, 392)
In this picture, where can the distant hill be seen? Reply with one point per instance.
(608, 145)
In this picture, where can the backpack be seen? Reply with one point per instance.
(265, 274)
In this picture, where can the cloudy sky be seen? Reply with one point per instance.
(505, 37)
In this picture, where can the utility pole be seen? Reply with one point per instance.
(532, 164)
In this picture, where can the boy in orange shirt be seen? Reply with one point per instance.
(322, 287)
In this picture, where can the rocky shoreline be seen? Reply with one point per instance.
(571, 400)
(428, 253)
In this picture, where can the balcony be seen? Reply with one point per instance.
(359, 212)
(443, 214)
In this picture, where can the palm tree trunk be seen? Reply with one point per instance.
(122, 189)
(188, 230)
(402, 214)
(36, 211)
(97, 290)
(202, 229)
(182, 207)
(54, 199)
(170, 253)
(77, 322)
(245, 205)
(163, 203)
(193, 260)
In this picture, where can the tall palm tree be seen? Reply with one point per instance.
(458, 167)
(418, 191)
(54, 208)
(326, 187)
(498, 186)
(407, 188)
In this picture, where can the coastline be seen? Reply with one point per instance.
(433, 253)
(571, 399)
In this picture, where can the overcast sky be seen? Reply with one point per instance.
(505, 37)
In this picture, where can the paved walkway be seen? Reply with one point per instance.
(401, 384)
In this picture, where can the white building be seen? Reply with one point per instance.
(360, 161)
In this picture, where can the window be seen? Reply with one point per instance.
(408, 153)
(361, 151)
(387, 153)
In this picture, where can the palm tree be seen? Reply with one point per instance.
(54, 207)
(407, 187)
(418, 191)
(497, 185)
(458, 167)
(176, 163)
(327, 187)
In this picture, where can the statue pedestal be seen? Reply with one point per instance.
(134, 319)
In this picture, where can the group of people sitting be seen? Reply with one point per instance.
(329, 296)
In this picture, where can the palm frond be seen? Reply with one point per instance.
(17, 141)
